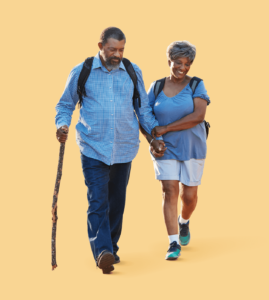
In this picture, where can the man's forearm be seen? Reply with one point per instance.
(146, 135)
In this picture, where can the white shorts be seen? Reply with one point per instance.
(188, 172)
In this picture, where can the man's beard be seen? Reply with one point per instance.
(112, 66)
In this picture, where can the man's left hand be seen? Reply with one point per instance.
(158, 148)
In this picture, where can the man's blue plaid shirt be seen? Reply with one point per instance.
(107, 129)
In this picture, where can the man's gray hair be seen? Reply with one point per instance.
(181, 49)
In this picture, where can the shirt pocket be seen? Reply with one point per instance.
(127, 90)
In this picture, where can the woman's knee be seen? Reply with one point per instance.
(170, 192)
(189, 198)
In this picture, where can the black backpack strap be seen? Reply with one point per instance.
(130, 70)
(83, 77)
(159, 86)
(194, 83)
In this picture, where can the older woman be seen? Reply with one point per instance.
(180, 114)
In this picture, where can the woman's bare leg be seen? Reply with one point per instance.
(188, 195)
(170, 190)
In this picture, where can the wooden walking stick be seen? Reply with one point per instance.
(54, 205)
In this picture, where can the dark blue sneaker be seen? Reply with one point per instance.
(117, 258)
(173, 251)
(184, 233)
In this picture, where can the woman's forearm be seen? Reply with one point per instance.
(146, 135)
(186, 122)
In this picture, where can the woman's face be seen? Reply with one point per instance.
(179, 67)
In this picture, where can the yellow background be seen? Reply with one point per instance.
(41, 41)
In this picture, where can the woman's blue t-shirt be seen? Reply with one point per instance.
(184, 144)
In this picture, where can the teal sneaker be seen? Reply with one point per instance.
(184, 233)
(173, 251)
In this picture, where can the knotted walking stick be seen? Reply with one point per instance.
(54, 205)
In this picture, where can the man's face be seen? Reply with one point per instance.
(112, 53)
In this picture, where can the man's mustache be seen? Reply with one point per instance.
(114, 58)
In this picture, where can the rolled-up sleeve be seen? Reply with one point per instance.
(201, 92)
(68, 100)
(144, 113)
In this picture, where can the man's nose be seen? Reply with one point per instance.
(117, 54)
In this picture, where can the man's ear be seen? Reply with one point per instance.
(169, 62)
(100, 45)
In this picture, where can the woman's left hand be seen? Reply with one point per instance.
(158, 131)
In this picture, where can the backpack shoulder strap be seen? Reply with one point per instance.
(83, 77)
(130, 70)
(194, 83)
(159, 86)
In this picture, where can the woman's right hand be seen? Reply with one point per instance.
(158, 148)
(158, 131)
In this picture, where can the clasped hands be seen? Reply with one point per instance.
(157, 147)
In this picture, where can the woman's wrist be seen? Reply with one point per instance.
(166, 128)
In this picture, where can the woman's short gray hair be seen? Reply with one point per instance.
(181, 49)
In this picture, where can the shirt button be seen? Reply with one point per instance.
(110, 87)
(111, 128)
(111, 114)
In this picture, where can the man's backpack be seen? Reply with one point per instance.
(193, 84)
(85, 73)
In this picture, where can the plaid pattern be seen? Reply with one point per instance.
(107, 129)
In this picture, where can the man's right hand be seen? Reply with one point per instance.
(158, 148)
(62, 134)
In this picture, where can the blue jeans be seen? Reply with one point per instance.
(106, 196)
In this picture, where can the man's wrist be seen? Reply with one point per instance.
(61, 125)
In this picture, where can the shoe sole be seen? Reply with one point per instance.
(172, 258)
(106, 263)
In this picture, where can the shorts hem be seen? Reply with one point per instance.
(165, 178)
(192, 183)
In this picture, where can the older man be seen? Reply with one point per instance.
(108, 138)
